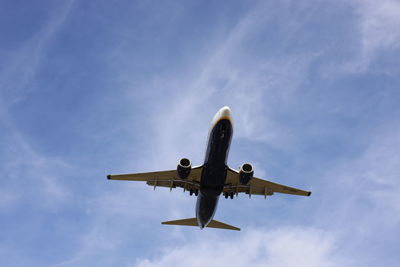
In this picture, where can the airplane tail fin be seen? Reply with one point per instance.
(193, 222)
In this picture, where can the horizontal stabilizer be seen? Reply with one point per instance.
(221, 225)
(193, 222)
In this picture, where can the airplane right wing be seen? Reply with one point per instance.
(258, 186)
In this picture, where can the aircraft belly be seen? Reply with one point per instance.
(214, 172)
(212, 177)
(205, 209)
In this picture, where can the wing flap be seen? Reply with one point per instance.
(195, 175)
(175, 183)
(163, 178)
(259, 186)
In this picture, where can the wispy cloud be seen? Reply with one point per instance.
(378, 29)
(373, 178)
(20, 161)
(254, 86)
(251, 66)
(18, 72)
(279, 247)
(358, 200)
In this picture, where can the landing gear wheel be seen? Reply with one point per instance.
(231, 195)
(191, 191)
(226, 194)
(196, 192)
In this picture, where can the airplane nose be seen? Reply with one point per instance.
(225, 112)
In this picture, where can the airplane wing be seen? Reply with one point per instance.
(168, 178)
(258, 186)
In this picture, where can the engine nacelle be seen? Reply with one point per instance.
(184, 168)
(246, 173)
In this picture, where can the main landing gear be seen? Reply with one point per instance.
(229, 194)
(194, 191)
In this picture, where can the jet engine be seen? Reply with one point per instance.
(184, 168)
(246, 172)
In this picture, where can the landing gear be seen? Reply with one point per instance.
(229, 194)
(194, 191)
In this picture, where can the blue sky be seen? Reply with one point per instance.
(90, 88)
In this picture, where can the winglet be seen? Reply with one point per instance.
(193, 222)
(109, 177)
(309, 194)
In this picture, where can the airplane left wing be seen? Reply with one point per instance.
(258, 186)
(164, 178)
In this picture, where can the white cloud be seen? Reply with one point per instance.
(379, 24)
(359, 201)
(31, 175)
(283, 247)
(374, 178)
(254, 86)
(17, 78)
(20, 161)
(7, 198)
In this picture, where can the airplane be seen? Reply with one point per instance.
(213, 178)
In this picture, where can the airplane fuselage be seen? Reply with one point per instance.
(213, 175)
